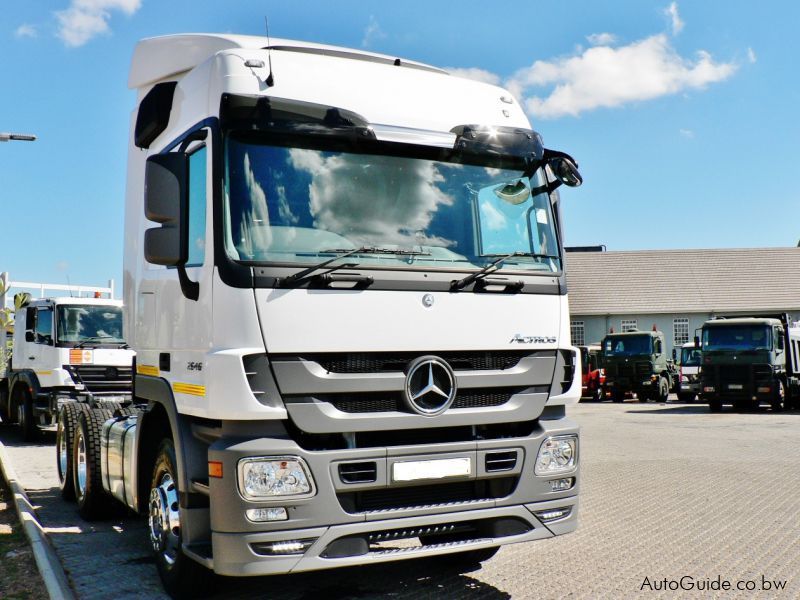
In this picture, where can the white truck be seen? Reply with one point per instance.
(64, 349)
(344, 285)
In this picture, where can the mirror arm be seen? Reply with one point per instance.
(190, 289)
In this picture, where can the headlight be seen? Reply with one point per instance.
(557, 455)
(269, 477)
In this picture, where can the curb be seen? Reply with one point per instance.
(55, 580)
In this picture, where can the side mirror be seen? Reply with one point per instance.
(566, 171)
(674, 355)
(166, 201)
(29, 336)
(696, 341)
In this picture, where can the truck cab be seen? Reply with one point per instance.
(65, 349)
(746, 361)
(593, 376)
(689, 372)
(345, 288)
(637, 362)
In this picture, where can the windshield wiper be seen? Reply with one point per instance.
(98, 340)
(491, 268)
(344, 253)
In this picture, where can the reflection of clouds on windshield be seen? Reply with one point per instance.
(284, 210)
(254, 231)
(494, 218)
(373, 199)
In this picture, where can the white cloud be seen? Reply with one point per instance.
(26, 31)
(687, 133)
(476, 74)
(609, 77)
(751, 56)
(372, 33)
(85, 19)
(601, 39)
(672, 12)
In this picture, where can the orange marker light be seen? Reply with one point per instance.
(215, 469)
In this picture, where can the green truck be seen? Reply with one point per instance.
(750, 360)
(637, 362)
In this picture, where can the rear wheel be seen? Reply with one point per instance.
(181, 576)
(67, 423)
(87, 476)
(598, 394)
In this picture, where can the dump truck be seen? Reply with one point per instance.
(344, 285)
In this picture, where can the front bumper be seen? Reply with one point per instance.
(334, 518)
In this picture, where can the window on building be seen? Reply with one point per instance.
(578, 333)
(628, 325)
(680, 331)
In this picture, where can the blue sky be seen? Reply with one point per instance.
(681, 115)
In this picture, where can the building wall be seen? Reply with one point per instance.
(596, 327)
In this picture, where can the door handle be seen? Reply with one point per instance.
(31, 357)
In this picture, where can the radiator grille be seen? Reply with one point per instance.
(382, 362)
(99, 378)
(393, 402)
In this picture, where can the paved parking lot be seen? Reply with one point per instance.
(668, 492)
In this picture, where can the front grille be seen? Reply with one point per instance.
(393, 402)
(383, 362)
(631, 370)
(404, 498)
(100, 379)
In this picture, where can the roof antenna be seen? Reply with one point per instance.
(270, 79)
(69, 286)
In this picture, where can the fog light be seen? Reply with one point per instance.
(561, 485)
(268, 477)
(283, 547)
(545, 516)
(557, 455)
(262, 515)
(764, 390)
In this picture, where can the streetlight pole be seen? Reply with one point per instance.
(22, 137)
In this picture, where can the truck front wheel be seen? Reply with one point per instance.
(778, 397)
(25, 415)
(181, 576)
(663, 390)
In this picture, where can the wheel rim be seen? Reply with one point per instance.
(61, 448)
(21, 414)
(80, 464)
(165, 520)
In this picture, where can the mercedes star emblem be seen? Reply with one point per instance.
(430, 386)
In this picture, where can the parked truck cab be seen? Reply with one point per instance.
(747, 361)
(345, 288)
(689, 372)
(637, 362)
(593, 376)
(64, 349)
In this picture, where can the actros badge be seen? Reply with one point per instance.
(532, 339)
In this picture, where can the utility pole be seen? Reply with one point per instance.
(22, 137)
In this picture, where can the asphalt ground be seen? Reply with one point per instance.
(671, 497)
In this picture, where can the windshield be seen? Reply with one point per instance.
(81, 322)
(299, 205)
(690, 357)
(630, 345)
(736, 337)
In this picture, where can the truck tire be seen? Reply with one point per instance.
(663, 390)
(598, 395)
(87, 476)
(67, 423)
(5, 412)
(25, 418)
(181, 576)
(778, 397)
